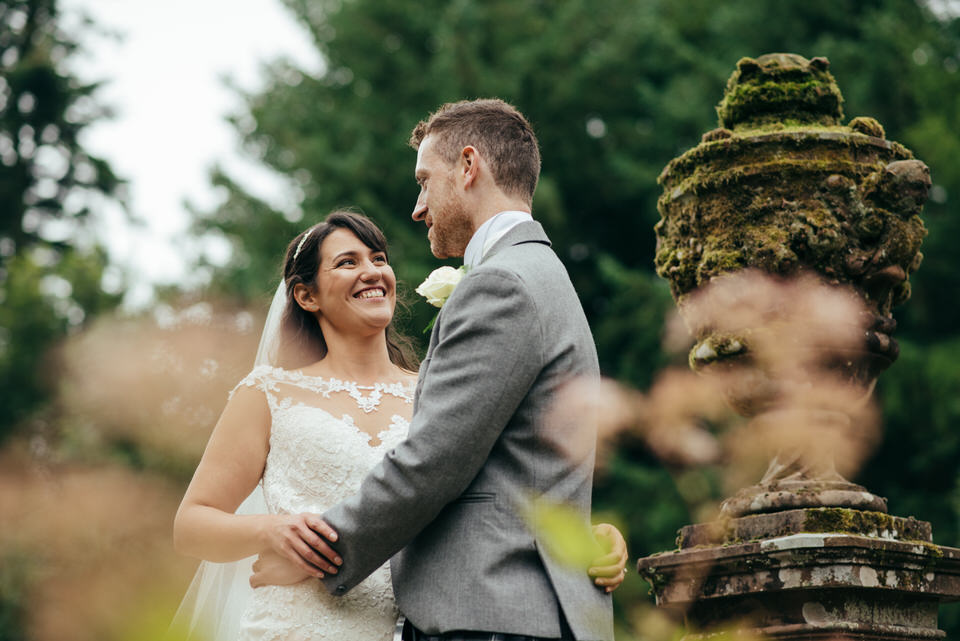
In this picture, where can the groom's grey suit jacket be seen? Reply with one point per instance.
(448, 500)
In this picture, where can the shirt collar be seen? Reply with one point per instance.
(490, 232)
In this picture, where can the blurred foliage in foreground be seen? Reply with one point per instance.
(614, 89)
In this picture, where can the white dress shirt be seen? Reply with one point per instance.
(490, 232)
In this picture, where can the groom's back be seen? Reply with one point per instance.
(479, 565)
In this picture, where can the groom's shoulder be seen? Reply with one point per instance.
(534, 267)
(525, 256)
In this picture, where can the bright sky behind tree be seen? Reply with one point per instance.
(164, 79)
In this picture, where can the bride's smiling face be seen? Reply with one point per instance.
(355, 290)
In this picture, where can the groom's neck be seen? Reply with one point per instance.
(493, 206)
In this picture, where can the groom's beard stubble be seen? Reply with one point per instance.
(451, 230)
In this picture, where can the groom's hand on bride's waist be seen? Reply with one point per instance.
(303, 540)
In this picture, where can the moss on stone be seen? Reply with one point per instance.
(807, 102)
(843, 520)
(868, 126)
(783, 187)
(778, 87)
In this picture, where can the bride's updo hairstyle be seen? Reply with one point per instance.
(302, 339)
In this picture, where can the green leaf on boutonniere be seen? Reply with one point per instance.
(433, 321)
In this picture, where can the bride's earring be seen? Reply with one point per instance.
(304, 298)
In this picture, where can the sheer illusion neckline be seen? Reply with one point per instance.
(366, 402)
(300, 374)
(367, 398)
(342, 381)
(374, 441)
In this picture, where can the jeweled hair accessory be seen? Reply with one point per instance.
(302, 241)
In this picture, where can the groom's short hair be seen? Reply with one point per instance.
(500, 133)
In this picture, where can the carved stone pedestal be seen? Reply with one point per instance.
(784, 189)
(816, 573)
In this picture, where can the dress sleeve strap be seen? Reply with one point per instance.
(258, 378)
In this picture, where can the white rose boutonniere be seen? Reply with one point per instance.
(438, 286)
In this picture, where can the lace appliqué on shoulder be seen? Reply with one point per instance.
(257, 379)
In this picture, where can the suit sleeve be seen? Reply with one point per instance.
(486, 358)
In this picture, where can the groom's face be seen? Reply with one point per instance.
(440, 204)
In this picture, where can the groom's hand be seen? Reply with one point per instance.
(610, 569)
(319, 544)
(302, 540)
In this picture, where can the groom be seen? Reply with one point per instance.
(447, 503)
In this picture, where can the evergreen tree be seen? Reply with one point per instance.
(50, 265)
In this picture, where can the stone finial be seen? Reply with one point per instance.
(783, 190)
(781, 88)
(783, 187)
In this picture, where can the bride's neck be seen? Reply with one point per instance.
(363, 359)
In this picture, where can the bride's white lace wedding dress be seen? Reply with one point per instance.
(318, 458)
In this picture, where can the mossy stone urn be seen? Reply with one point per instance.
(783, 186)
(784, 189)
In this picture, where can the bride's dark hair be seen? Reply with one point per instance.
(302, 341)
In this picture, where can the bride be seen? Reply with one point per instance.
(331, 392)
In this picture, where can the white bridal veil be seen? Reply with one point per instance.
(217, 596)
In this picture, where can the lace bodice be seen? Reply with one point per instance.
(316, 460)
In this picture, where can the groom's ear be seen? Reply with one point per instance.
(469, 166)
(305, 298)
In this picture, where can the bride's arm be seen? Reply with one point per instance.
(232, 464)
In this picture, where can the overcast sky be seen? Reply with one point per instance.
(164, 80)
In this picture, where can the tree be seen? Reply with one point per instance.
(50, 265)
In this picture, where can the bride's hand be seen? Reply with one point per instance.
(272, 569)
(299, 538)
(610, 569)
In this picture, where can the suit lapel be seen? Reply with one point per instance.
(425, 365)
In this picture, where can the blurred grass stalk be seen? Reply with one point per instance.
(86, 547)
(90, 548)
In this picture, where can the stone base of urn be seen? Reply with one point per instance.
(804, 493)
(813, 573)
